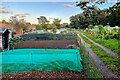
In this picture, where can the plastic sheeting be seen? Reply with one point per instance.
(26, 60)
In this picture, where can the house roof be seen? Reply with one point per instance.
(6, 25)
(2, 30)
(32, 27)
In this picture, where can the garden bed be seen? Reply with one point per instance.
(47, 44)
(66, 62)
(48, 36)
(38, 75)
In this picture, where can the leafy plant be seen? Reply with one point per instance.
(109, 41)
(14, 41)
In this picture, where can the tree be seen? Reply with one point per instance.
(79, 21)
(18, 23)
(94, 15)
(14, 21)
(54, 28)
(114, 15)
(42, 20)
(38, 27)
(57, 23)
(24, 26)
(3, 21)
(50, 26)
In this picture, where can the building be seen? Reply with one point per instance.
(19, 31)
(4, 38)
(32, 27)
(9, 27)
(6, 25)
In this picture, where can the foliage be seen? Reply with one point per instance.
(112, 44)
(18, 23)
(52, 27)
(114, 14)
(95, 16)
(14, 41)
(25, 26)
(38, 27)
(42, 20)
(49, 27)
(90, 26)
(56, 22)
(101, 33)
(89, 68)
(92, 13)
(105, 57)
(43, 23)
(79, 21)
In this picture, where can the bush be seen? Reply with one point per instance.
(14, 41)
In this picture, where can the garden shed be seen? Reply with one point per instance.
(4, 38)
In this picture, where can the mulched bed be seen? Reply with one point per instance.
(59, 44)
(47, 75)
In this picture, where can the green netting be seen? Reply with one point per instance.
(40, 31)
(48, 36)
(26, 60)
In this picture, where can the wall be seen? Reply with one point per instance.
(1, 40)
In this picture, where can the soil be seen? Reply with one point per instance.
(47, 75)
(56, 44)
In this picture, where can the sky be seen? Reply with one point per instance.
(30, 11)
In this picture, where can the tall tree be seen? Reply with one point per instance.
(42, 20)
(57, 23)
(114, 15)
(14, 21)
(91, 10)
(18, 23)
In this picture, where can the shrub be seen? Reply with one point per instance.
(14, 41)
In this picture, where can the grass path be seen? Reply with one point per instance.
(107, 73)
(89, 68)
(112, 44)
(104, 48)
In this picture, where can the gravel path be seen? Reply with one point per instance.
(104, 48)
(107, 73)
